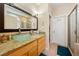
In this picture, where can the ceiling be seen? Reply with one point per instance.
(62, 8)
(57, 5)
(57, 8)
(32, 8)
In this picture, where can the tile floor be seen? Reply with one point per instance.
(53, 49)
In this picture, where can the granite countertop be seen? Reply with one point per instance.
(12, 44)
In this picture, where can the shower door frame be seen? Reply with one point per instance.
(75, 8)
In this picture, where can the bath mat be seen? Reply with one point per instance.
(63, 51)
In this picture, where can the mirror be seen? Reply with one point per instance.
(14, 19)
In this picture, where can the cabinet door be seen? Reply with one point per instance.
(26, 50)
(41, 45)
(33, 51)
(32, 48)
(19, 52)
(25, 54)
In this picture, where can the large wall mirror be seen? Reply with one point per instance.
(15, 18)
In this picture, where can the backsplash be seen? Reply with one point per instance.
(8, 33)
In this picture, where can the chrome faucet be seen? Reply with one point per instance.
(19, 30)
(31, 32)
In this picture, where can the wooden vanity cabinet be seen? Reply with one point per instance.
(33, 48)
(41, 44)
(27, 50)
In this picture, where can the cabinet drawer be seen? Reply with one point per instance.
(42, 39)
(19, 52)
(41, 43)
(32, 44)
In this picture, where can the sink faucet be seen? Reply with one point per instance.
(31, 32)
(19, 30)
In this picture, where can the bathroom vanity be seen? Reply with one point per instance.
(15, 19)
(32, 46)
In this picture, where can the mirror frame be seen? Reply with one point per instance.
(16, 30)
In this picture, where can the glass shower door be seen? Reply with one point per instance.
(72, 30)
(78, 24)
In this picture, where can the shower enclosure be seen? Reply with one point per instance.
(73, 31)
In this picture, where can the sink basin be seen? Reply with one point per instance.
(21, 37)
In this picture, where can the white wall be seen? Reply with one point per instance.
(43, 26)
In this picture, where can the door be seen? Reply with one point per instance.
(58, 30)
(72, 29)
